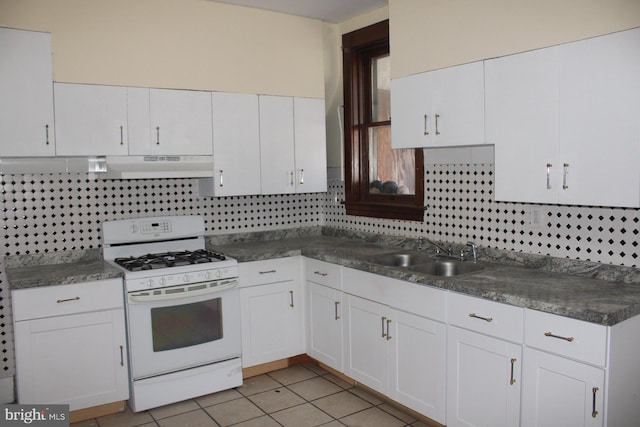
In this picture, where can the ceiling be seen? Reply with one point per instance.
(325, 10)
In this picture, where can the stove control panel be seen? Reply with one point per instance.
(164, 280)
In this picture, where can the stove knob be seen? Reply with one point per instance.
(185, 278)
(150, 283)
(133, 229)
(218, 273)
(163, 281)
(207, 275)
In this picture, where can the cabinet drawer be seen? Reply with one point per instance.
(268, 271)
(323, 273)
(48, 301)
(575, 339)
(487, 317)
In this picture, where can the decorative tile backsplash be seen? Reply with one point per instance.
(45, 213)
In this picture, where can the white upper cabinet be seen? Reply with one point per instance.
(310, 145)
(90, 120)
(600, 120)
(277, 156)
(522, 122)
(439, 108)
(26, 84)
(236, 146)
(180, 123)
(564, 121)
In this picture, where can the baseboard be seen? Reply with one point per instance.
(97, 411)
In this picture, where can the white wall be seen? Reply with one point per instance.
(188, 44)
(432, 34)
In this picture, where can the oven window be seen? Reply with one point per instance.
(185, 325)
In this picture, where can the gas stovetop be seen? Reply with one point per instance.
(168, 259)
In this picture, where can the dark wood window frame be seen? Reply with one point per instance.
(358, 48)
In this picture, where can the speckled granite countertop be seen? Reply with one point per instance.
(526, 282)
(593, 292)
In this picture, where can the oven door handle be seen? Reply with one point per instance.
(146, 296)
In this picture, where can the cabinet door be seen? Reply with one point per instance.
(599, 120)
(522, 122)
(180, 122)
(412, 120)
(458, 105)
(236, 144)
(26, 84)
(91, 120)
(272, 323)
(310, 145)
(277, 156)
(483, 380)
(324, 317)
(366, 343)
(417, 363)
(78, 359)
(558, 390)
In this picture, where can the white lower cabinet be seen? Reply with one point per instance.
(324, 302)
(484, 359)
(561, 390)
(70, 344)
(390, 348)
(271, 309)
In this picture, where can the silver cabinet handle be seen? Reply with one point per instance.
(266, 272)
(291, 178)
(301, 176)
(383, 332)
(291, 299)
(157, 135)
(60, 301)
(221, 178)
(121, 355)
(565, 171)
(486, 319)
(319, 273)
(426, 118)
(46, 134)
(549, 165)
(512, 381)
(336, 308)
(549, 334)
(388, 335)
(594, 413)
(437, 117)
(121, 135)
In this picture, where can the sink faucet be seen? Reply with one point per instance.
(439, 248)
(474, 250)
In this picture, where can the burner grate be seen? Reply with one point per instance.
(168, 259)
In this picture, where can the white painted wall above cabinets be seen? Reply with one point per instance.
(564, 121)
(26, 104)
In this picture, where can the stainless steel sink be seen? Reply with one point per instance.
(424, 263)
(400, 259)
(446, 268)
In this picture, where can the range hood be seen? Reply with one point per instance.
(146, 167)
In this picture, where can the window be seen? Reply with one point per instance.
(379, 181)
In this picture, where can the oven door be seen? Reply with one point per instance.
(183, 326)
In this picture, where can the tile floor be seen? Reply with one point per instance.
(299, 396)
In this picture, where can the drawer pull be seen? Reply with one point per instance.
(594, 413)
(321, 274)
(486, 319)
(291, 299)
(513, 380)
(383, 333)
(267, 272)
(121, 355)
(67, 300)
(549, 334)
(388, 335)
(336, 306)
